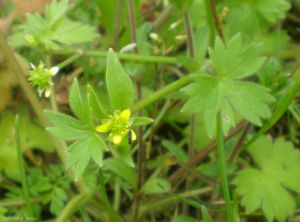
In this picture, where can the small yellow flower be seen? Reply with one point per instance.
(117, 126)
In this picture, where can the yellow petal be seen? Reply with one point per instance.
(117, 139)
(103, 128)
(125, 114)
(133, 135)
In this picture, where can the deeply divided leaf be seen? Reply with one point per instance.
(80, 153)
(268, 186)
(225, 91)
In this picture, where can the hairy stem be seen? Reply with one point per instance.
(121, 56)
(222, 168)
(178, 84)
(70, 60)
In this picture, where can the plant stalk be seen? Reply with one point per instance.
(117, 27)
(160, 202)
(141, 150)
(73, 205)
(178, 84)
(22, 168)
(216, 19)
(121, 56)
(114, 215)
(191, 146)
(222, 168)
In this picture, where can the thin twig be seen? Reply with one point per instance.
(179, 174)
(15, 203)
(216, 19)
(141, 150)
(163, 17)
(239, 143)
(131, 20)
(190, 35)
(172, 199)
(295, 68)
(117, 24)
(191, 147)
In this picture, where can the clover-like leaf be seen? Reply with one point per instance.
(225, 91)
(268, 185)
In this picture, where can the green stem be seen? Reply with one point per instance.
(53, 102)
(163, 92)
(192, 123)
(22, 168)
(117, 195)
(294, 113)
(131, 21)
(163, 17)
(154, 124)
(114, 215)
(280, 110)
(73, 205)
(70, 60)
(222, 169)
(159, 203)
(122, 56)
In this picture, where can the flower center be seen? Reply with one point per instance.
(119, 126)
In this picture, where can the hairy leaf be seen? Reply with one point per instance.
(119, 84)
